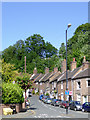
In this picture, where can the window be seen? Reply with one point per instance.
(78, 97)
(61, 96)
(88, 83)
(61, 84)
(41, 83)
(54, 84)
(36, 83)
(78, 85)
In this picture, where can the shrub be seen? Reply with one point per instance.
(33, 92)
(47, 94)
(11, 93)
(37, 93)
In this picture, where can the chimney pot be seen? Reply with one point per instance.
(46, 70)
(55, 69)
(73, 64)
(35, 71)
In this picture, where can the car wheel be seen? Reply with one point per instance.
(75, 109)
(83, 110)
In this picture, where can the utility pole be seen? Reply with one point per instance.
(25, 64)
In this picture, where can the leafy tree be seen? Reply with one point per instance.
(8, 72)
(24, 82)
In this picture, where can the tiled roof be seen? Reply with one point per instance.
(39, 77)
(47, 76)
(55, 76)
(72, 73)
(35, 76)
(82, 74)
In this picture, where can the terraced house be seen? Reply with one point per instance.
(54, 82)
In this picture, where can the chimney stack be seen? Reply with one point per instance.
(46, 70)
(63, 67)
(85, 64)
(35, 71)
(55, 69)
(73, 64)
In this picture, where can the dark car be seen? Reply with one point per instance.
(40, 97)
(86, 107)
(76, 105)
(56, 102)
(64, 104)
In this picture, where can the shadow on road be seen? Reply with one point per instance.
(32, 108)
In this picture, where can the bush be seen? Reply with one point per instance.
(37, 93)
(33, 92)
(47, 94)
(11, 93)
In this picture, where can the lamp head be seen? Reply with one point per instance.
(69, 25)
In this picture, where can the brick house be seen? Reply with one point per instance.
(81, 83)
(53, 84)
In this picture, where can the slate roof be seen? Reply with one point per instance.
(72, 73)
(47, 76)
(55, 76)
(83, 74)
(35, 76)
(39, 77)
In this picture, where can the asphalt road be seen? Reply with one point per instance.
(42, 110)
(38, 109)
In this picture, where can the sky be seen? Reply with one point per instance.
(20, 20)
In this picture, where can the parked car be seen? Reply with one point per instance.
(52, 101)
(86, 107)
(56, 102)
(64, 104)
(40, 97)
(76, 105)
(48, 100)
(44, 98)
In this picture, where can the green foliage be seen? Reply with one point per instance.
(78, 46)
(47, 94)
(11, 93)
(8, 72)
(37, 93)
(24, 81)
(34, 48)
(33, 91)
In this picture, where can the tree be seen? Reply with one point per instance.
(24, 82)
(11, 93)
(8, 72)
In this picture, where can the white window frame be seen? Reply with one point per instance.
(61, 84)
(36, 83)
(40, 83)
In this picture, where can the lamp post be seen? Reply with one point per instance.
(66, 67)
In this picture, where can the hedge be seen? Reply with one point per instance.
(11, 94)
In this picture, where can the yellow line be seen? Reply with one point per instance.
(33, 112)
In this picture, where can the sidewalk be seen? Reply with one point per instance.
(23, 114)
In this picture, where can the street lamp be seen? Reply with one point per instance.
(66, 66)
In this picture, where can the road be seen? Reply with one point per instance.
(38, 109)
(42, 110)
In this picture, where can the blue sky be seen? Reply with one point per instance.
(49, 19)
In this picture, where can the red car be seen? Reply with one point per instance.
(64, 104)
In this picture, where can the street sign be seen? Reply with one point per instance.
(67, 92)
(70, 92)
